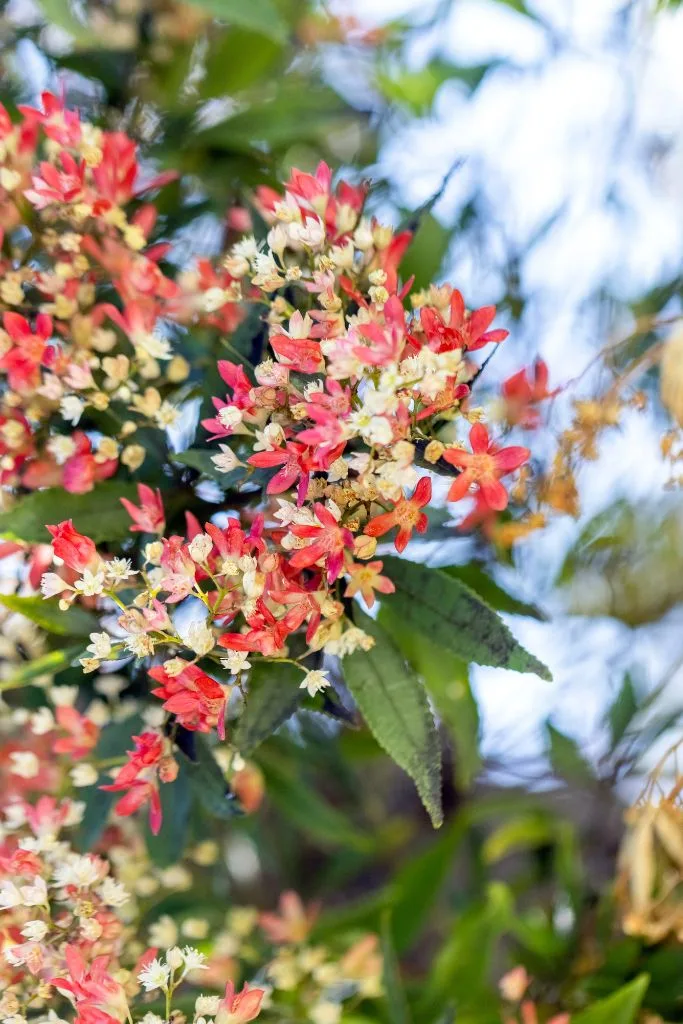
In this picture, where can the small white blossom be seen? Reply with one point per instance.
(174, 957)
(51, 584)
(83, 775)
(200, 638)
(194, 960)
(236, 661)
(9, 895)
(24, 763)
(42, 721)
(227, 460)
(200, 547)
(100, 645)
(91, 583)
(230, 417)
(315, 681)
(155, 975)
(34, 931)
(119, 569)
(164, 932)
(114, 894)
(34, 895)
(207, 1005)
(71, 409)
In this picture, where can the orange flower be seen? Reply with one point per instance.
(365, 579)
(483, 467)
(406, 514)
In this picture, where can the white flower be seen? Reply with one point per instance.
(9, 895)
(325, 1012)
(227, 460)
(91, 583)
(195, 928)
(200, 547)
(152, 345)
(114, 894)
(82, 872)
(100, 646)
(154, 975)
(71, 409)
(151, 1018)
(24, 763)
(207, 1005)
(174, 957)
(194, 960)
(119, 569)
(230, 417)
(200, 638)
(51, 584)
(63, 696)
(236, 661)
(34, 895)
(164, 932)
(140, 645)
(61, 447)
(315, 681)
(166, 415)
(34, 931)
(214, 298)
(83, 775)
(90, 929)
(42, 721)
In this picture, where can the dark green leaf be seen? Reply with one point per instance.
(426, 252)
(46, 614)
(208, 783)
(168, 846)
(258, 15)
(236, 61)
(526, 832)
(622, 711)
(450, 614)
(274, 695)
(394, 704)
(114, 740)
(98, 514)
(620, 1008)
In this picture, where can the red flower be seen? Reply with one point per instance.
(296, 461)
(267, 634)
(366, 579)
(150, 517)
(460, 329)
(239, 1007)
(406, 514)
(92, 989)
(139, 777)
(484, 467)
(55, 186)
(294, 921)
(521, 394)
(328, 542)
(197, 700)
(75, 550)
(23, 360)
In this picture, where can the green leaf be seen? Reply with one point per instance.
(201, 460)
(274, 695)
(60, 13)
(394, 704)
(446, 678)
(304, 807)
(620, 1008)
(418, 884)
(416, 90)
(47, 665)
(98, 514)
(238, 59)
(114, 740)
(623, 710)
(46, 614)
(474, 576)
(168, 846)
(426, 252)
(450, 614)
(258, 15)
(208, 783)
(397, 1003)
(566, 758)
(523, 833)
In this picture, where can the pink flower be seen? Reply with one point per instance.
(150, 516)
(328, 543)
(294, 921)
(197, 700)
(407, 514)
(239, 1007)
(75, 550)
(139, 777)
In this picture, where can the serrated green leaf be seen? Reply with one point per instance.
(620, 1008)
(394, 704)
(446, 678)
(274, 695)
(623, 710)
(47, 665)
(46, 614)
(258, 15)
(98, 514)
(446, 611)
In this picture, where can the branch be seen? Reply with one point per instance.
(415, 219)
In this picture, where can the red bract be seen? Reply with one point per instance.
(54, 186)
(22, 362)
(459, 329)
(484, 467)
(239, 1007)
(297, 463)
(139, 777)
(523, 392)
(150, 516)
(266, 634)
(328, 542)
(75, 550)
(197, 700)
(406, 514)
(92, 989)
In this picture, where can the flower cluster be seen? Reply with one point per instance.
(75, 234)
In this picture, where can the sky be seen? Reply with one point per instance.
(579, 124)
